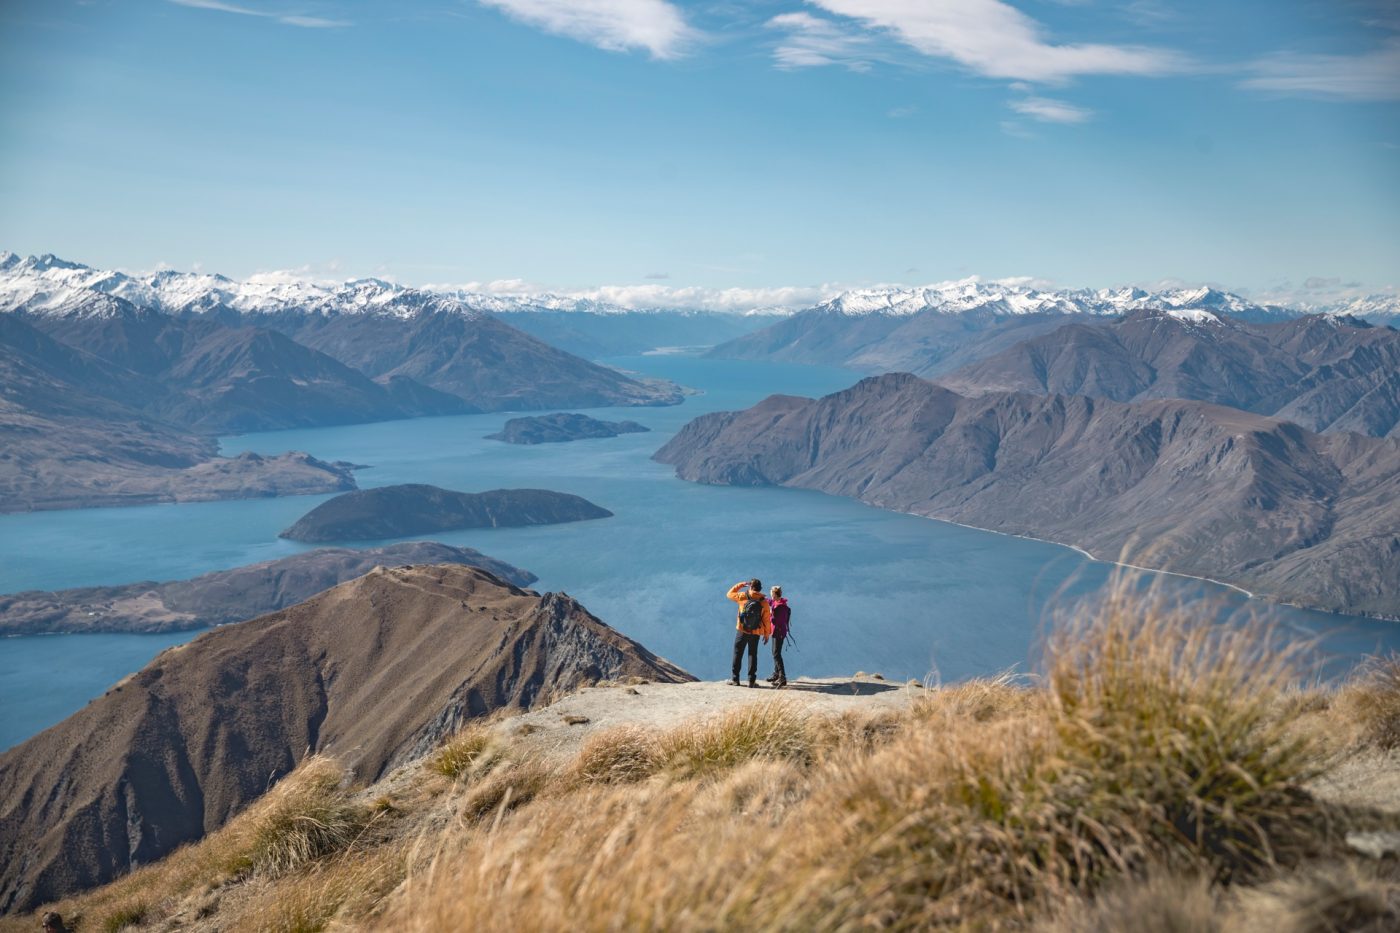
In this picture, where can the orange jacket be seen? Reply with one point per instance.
(742, 599)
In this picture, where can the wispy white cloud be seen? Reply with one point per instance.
(1049, 110)
(1369, 76)
(994, 39)
(614, 25)
(812, 41)
(662, 296)
(287, 19)
(1017, 129)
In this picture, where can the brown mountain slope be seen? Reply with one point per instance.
(65, 442)
(490, 364)
(1325, 373)
(1183, 486)
(375, 671)
(217, 378)
(223, 596)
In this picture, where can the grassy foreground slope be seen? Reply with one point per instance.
(1161, 774)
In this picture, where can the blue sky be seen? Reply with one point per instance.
(570, 143)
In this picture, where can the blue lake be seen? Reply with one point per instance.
(871, 590)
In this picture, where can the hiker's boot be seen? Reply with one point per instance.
(782, 683)
(753, 682)
(733, 681)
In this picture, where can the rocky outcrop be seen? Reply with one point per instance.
(374, 671)
(1199, 489)
(560, 427)
(416, 508)
(225, 596)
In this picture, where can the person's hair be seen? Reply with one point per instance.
(756, 585)
(777, 592)
(52, 921)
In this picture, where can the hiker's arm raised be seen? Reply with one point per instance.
(734, 590)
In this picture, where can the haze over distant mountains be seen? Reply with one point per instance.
(1310, 519)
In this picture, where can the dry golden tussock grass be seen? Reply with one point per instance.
(305, 817)
(1372, 701)
(1152, 772)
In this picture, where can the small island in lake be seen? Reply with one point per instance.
(560, 427)
(416, 508)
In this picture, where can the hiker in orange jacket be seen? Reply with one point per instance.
(755, 622)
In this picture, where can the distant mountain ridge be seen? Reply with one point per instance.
(69, 443)
(1324, 372)
(48, 283)
(935, 330)
(276, 352)
(1308, 519)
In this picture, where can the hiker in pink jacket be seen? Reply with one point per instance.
(782, 617)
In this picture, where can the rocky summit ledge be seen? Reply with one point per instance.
(559, 730)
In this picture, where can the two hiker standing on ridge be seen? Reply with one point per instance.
(756, 620)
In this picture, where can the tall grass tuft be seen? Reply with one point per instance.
(1373, 700)
(623, 755)
(306, 816)
(1168, 726)
(470, 752)
(772, 729)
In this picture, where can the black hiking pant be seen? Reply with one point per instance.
(741, 641)
(779, 672)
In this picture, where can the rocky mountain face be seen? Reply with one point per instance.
(417, 508)
(225, 596)
(66, 443)
(561, 427)
(1185, 486)
(375, 671)
(1324, 372)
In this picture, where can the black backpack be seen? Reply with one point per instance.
(751, 616)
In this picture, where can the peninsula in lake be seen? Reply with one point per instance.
(224, 596)
(560, 427)
(1308, 519)
(417, 508)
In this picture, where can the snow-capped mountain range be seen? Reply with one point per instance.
(48, 284)
(1001, 298)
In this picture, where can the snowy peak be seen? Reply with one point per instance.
(52, 286)
(1013, 298)
(48, 284)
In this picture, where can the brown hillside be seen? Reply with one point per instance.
(375, 671)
